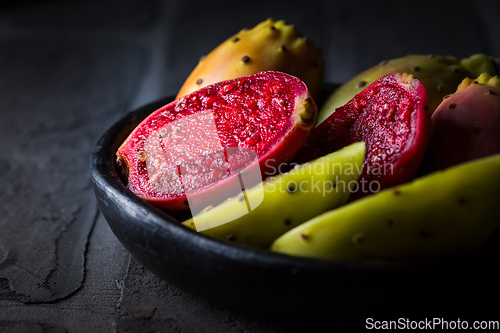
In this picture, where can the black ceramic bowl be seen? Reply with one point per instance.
(264, 284)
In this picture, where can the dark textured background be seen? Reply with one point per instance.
(70, 69)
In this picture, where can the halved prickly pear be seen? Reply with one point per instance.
(439, 75)
(269, 46)
(444, 213)
(391, 116)
(191, 152)
(466, 125)
(262, 213)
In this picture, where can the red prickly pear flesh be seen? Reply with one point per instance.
(200, 142)
(391, 116)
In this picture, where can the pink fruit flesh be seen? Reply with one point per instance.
(268, 115)
(465, 126)
(391, 116)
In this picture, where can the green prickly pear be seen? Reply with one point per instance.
(270, 45)
(285, 201)
(444, 213)
(439, 75)
(466, 125)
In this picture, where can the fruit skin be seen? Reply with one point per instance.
(466, 125)
(440, 76)
(391, 116)
(269, 46)
(285, 201)
(291, 136)
(444, 213)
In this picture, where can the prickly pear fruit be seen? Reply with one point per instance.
(439, 75)
(198, 144)
(466, 125)
(392, 118)
(444, 213)
(480, 63)
(269, 46)
(285, 201)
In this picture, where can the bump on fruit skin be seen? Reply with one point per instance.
(289, 200)
(466, 125)
(444, 213)
(270, 45)
(484, 78)
(439, 74)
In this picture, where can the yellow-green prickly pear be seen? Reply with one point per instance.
(269, 46)
(439, 75)
(447, 212)
(285, 201)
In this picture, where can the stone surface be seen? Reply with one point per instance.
(359, 37)
(48, 209)
(70, 69)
